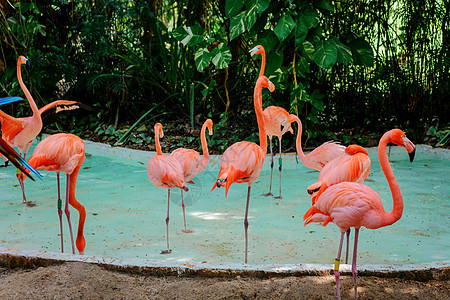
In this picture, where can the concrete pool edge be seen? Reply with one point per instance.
(14, 258)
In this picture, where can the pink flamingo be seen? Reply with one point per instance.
(351, 204)
(243, 161)
(320, 156)
(353, 165)
(165, 172)
(192, 163)
(9, 152)
(63, 152)
(274, 117)
(20, 132)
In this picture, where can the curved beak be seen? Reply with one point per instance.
(28, 64)
(253, 51)
(412, 154)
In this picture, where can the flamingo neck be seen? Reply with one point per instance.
(205, 159)
(157, 144)
(397, 210)
(263, 63)
(33, 105)
(298, 141)
(257, 101)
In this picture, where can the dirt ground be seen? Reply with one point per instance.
(75, 280)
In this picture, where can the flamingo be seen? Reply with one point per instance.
(9, 152)
(351, 204)
(320, 156)
(20, 132)
(165, 172)
(63, 152)
(273, 120)
(353, 165)
(243, 161)
(192, 163)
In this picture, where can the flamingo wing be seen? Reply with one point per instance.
(274, 116)
(326, 152)
(165, 172)
(346, 204)
(189, 160)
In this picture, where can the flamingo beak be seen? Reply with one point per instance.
(28, 64)
(253, 51)
(412, 154)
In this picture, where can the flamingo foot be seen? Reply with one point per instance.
(29, 203)
(278, 197)
(188, 231)
(267, 194)
(166, 251)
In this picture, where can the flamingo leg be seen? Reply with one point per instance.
(246, 223)
(279, 168)
(184, 215)
(271, 170)
(348, 241)
(60, 213)
(167, 225)
(22, 185)
(354, 270)
(67, 211)
(336, 266)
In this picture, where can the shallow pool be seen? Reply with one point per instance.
(126, 213)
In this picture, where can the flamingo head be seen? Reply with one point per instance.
(257, 50)
(159, 130)
(265, 82)
(23, 60)
(209, 124)
(398, 137)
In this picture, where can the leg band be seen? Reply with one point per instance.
(336, 264)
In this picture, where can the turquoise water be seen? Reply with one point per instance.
(126, 213)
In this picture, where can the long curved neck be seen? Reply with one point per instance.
(263, 63)
(298, 142)
(205, 159)
(397, 210)
(257, 101)
(33, 105)
(157, 144)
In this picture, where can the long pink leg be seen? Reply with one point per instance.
(271, 170)
(279, 168)
(22, 186)
(336, 266)
(184, 215)
(167, 225)
(348, 241)
(246, 224)
(60, 213)
(354, 270)
(67, 211)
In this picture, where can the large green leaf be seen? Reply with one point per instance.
(284, 27)
(232, 7)
(309, 16)
(268, 39)
(251, 17)
(237, 25)
(326, 54)
(302, 67)
(259, 5)
(325, 4)
(344, 53)
(221, 56)
(301, 31)
(190, 36)
(362, 52)
(273, 62)
(308, 48)
(202, 58)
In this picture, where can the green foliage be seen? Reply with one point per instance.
(337, 65)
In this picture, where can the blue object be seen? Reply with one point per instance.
(8, 100)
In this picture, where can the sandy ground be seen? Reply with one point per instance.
(75, 280)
